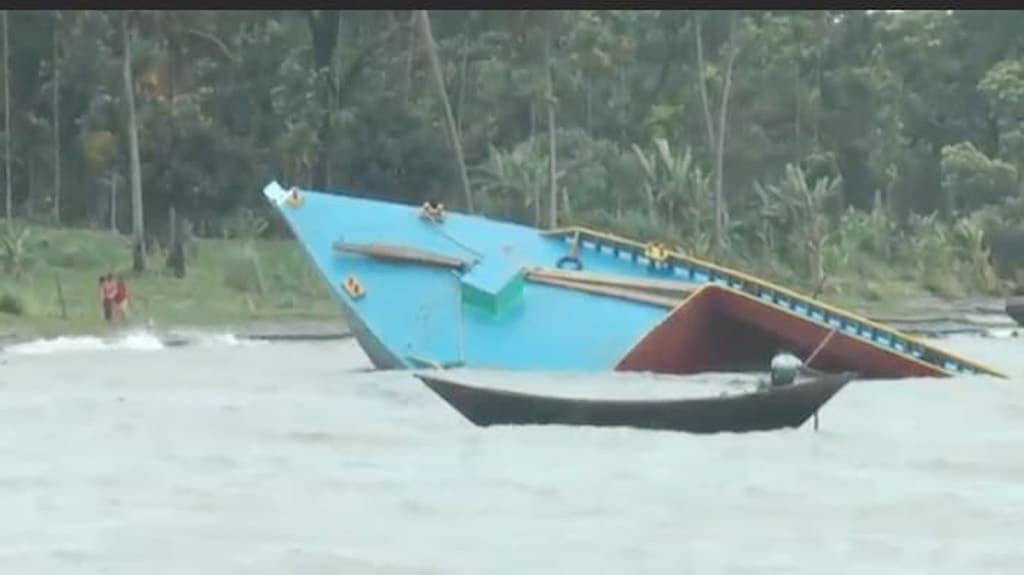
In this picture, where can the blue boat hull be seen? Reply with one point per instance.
(484, 314)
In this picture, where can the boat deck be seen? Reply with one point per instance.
(690, 269)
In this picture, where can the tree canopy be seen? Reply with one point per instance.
(723, 131)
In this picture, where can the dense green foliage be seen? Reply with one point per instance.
(880, 146)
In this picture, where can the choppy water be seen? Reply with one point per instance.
(227, 457)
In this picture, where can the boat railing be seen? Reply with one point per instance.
(692, 269)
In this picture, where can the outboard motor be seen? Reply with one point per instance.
(784, 369)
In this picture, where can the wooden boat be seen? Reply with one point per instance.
(763, 409)
(419, 287)
(1015, 308)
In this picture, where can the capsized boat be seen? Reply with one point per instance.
(761, 409)
(422, 287)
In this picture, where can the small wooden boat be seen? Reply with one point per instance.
(1015, 308)
(764, 409)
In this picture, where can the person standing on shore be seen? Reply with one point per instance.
(120, 299)
(107, 292)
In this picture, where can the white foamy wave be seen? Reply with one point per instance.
(135, 341)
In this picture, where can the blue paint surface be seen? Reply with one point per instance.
(415, 311)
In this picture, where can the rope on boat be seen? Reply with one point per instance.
(821, 346)
(435, 214)
(813, 355)
(462, 322)
(567, 260)
(399, 253)
(574, 251)
(478, 255)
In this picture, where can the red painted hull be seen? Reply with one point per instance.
(720, 329)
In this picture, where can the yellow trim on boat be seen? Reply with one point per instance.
(640, 247)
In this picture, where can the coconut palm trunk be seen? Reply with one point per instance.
(138, 233)
(453, 135)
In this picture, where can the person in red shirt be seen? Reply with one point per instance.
(120, 297)
(107, 292)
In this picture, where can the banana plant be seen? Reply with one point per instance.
(15, 249)
(513, 181)
(679, 193)
(798, 210)
(968, 241)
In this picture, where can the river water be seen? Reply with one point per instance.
(227, 457)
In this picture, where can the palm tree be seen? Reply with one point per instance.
(138, 234)
(453, 134)
(8, 198)
(56, 115)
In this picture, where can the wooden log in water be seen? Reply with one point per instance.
(403, 254)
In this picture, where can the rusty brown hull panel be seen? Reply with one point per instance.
(763, 410)
(719, 329)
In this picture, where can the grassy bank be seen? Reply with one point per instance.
(237, 282)
(227, 282)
